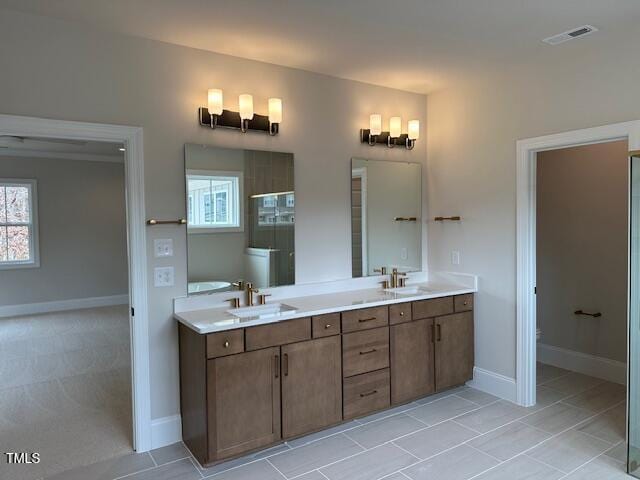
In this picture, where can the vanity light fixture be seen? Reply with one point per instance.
(394, 136)
(214, 115)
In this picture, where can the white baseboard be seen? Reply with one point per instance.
(166, 431)
(494, 383)
(62, 305)
(599, 367)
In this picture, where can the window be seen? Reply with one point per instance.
(214, 201)
(276, 209)
(18, 227)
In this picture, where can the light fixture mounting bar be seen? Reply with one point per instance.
(382, 138)
(231, 119)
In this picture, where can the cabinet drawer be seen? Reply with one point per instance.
(463, 303)
(366, 393)
(225, 343)
(365, 318)
(399, 313)
(365, 351)
(275, 334)
(433, 307)
(325, 325)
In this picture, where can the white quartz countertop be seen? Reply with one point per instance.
(211, 320)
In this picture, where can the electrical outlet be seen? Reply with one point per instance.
(163, 276)
(455, 257)
(163, 247)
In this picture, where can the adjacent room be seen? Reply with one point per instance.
(64, 322)
(319, 240)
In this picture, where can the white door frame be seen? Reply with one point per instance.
(526, 238)
(131, 137)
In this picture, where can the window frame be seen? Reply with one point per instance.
(191, 229)
(34, 243)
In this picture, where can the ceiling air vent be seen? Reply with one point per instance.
(570, 35)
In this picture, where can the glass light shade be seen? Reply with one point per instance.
(245, 105)
(395, 127)
(375, 124)
(414, 129)
(275, 110)
(214, 101)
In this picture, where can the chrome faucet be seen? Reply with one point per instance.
(395, 275)
(250, 292)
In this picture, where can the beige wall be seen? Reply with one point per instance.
(57, 70)
(582, 233)
(82, 231)
(472, 133)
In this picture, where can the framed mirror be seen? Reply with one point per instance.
(386, 209)
(240, 218)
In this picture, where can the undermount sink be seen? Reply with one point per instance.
(262, 311)
(411, 290)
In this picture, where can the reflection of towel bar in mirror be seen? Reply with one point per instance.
(153, 221)
(405, 219)
(595, 315)
(453, 219)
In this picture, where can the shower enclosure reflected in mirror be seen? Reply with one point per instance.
(386, 209)
(240, 218)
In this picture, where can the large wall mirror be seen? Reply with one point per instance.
(240, 218)
(386, 209)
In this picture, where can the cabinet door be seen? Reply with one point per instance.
(244, 402)
(311, 385)
(454, 349)
(412, 360)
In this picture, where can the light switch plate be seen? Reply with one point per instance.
(163, 276)
(163, 247)
(455, 257)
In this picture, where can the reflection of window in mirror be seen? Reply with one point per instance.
(214, 200)
(276, 209)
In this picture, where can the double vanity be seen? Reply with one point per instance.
(308, 356)
(256, 376)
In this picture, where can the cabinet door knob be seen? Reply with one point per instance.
(327, 326)
(226, 344)
(402, 314)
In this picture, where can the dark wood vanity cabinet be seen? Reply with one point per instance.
(412, 360)
(311, 386)
(243, 402)
(453, 350)
(250, 388)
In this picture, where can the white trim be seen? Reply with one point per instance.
(599, 367)
(62, 305)
(361, 173)
(131, 137)
(88, 157)
(237, 210)
(494, 383)
(526, 237)
(34, 239)
(166, 431)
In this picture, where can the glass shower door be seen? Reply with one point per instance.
(634, 320)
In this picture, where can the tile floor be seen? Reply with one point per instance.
(65, 389)
(576, 432)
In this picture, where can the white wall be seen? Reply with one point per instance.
(58, 70)
(473, 128)
(582, 235)
(82, 231)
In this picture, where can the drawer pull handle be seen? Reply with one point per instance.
(285, 369)
(362, 320)
(327, 326)
(372, 392)
(368, 351)
(226, 344)
(439, 330)
(276, 362)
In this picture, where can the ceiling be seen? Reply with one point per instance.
(415, 45)
(60, 149)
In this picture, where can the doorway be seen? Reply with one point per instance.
(527, 153)
(130, 139)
